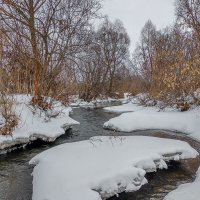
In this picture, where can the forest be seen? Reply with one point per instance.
(53, 48)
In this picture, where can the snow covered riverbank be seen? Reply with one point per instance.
(35, 124)
(102, 166)
(129, 107)
(152, 118)
(189, 191)
(98, 103)
(144, 118)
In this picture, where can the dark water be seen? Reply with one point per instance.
(15, 173)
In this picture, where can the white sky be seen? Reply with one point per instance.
(134, 14)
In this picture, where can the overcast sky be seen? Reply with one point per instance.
(134, 14)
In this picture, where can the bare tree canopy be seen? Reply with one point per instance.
(188, 14)
(47, 35)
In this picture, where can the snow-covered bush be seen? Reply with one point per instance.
(196, 96)
(163, 100)
(46, 109)
(143, 98)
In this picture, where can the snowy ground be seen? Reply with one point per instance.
(102, 166)
(189, 191)
(98, 103)
(129, 107)
(142, 118)
(37, 125)
(152, 118)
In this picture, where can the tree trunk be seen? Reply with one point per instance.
(36, 57)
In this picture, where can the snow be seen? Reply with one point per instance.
(101, 167)
(129, 107)
(152, 118)
(189, 191)
(1, 121)
(97, 103)
(197, 93)
(34, 124)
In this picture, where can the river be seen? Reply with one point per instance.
(15, 172)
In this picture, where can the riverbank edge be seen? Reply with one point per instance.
(13, 145)
(155, 163)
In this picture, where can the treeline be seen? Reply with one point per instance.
(51, 48)
(168, 60)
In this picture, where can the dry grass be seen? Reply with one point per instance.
(10, 118)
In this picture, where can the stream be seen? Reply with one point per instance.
(15, 172)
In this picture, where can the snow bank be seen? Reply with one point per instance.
(129, 107)
(98, 103)
(150, 118)
(189, 191)
(101, 167)
(35, 124)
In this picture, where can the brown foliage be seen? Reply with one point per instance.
(44, 38)
(8, 114)
(169, 62)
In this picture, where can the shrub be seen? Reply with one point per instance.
(7, 112)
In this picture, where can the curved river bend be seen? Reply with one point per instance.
(15, 173)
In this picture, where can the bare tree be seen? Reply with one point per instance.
(114, 44)
(107, 53)
(51, 32)
(188, 13)
(144, 53)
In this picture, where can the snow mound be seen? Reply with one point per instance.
(97, 103)
(129, 107)
(101, 167)
(189, 191)
(149, 118)
(35, 124)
